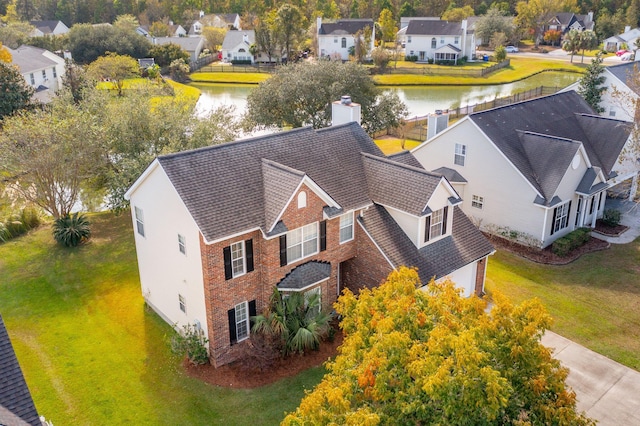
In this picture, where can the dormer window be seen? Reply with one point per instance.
(302, 200)
(436, 224)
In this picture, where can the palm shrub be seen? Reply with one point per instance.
(296, 321)
(71, 230)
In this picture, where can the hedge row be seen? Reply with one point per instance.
(563, 246)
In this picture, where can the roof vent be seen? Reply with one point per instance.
(345, 100)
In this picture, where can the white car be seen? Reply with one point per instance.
(627, 56)
(511, 49)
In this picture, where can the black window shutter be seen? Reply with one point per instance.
(566, 219)
(248, 246)
(323, 235)
(252, 310)
(444, 220)
(232, 326)
(427, 229)
(283, 250)
(553, 221)
(228, 273)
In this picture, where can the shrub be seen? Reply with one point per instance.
(563, 246)
(611, 217)
(500, 53)
(71, 230)
(241, 61)
(190, 341)
(19, 224)
(179, 70)
(411, 58)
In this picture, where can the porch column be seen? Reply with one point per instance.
(634, 187)
(583, 209)
(594, 216)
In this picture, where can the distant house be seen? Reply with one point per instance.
(335, 39)
(41, 69)
(627, 38)
(236, 45)
(50, 28)
(16, 404)
(437, 40)
(308, 211)
(230, 21)
(566, 21)
(192, 45)
(177, 30)
(536, 169)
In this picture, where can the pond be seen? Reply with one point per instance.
(421, 100)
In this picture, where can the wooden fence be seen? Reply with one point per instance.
(416, 128)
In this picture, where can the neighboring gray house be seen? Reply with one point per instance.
(16, 404)
(627, 38)
(437, 40)
(41, 69)
(335, 39)
(192, 45)
(566, 21)
(51, 28)
(536, 169)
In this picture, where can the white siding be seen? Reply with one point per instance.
(164, 271)
(411, 225)
(463, 278)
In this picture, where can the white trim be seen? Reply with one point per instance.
(448, 187)
(377, 246)
(229, 237)
(353, 233)
(246, 306)
(154, 164)
(465, 118)
(244, 259)
(298, 290)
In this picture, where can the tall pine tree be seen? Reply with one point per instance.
(591, 87)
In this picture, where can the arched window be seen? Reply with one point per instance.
(433, 43)
(344, 42)
(302, 199)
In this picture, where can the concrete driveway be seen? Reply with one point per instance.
(606, 391)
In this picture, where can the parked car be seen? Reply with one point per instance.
(629, 56)
(511, 49)
(621, 52)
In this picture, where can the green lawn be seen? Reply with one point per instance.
(594, 300)
(229, 77)
(92, 353)
(391, 145)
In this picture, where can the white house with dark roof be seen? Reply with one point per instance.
(627, 38)
(336, 38)
(41, 69)
(192, 45)
(436, 40)
(48, 28)
(311, 211)
(539, 168)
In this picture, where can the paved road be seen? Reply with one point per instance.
(606, 390)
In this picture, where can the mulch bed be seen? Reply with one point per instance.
(546, 256)
(239, 376)
(611, 231)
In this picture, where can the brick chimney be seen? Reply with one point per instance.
(345, 111)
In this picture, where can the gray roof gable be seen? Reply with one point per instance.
(435, 28)
(279, 183)
(189, 44)
(344, 26)
(625, 71)
(561, 116)
(30, 59)
(235, 37)
(397, 185)
(14, 393)
(466, 244)
(222, 185)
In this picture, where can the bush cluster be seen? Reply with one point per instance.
(19, 224)
(611, 217)
(241, 61)
(563, 246)
(411, 58)
(190, 341)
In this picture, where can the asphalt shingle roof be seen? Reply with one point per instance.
(305, 275)
(438, 259)
(624, 71)
(452, 175)
(30, 59)
(561, 117)
(433, 27)
(14, 393)
(279, 183)
(233, 38)
(222, 185)
(345, 26)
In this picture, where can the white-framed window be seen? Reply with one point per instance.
(560, 217)
(237, 259)
(344, 42)
(435, 230)
(308, 294)
(456, 40)
(55, 73)
(460, 154)
(182, 244)
(302, 242)
(44, 74)
(433, 43)
(182, 301)
(302, 200)
(242, 321)
(139, 221)
(477, 201)
(32, 78)
(441, 40)
(335, 39)
(346, 227)
(408, 39)
(612, 113)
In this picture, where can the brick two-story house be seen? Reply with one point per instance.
(306, 210)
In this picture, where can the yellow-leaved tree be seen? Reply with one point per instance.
(433, 357)
(5, 55)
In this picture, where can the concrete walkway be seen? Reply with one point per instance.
(607, 391)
